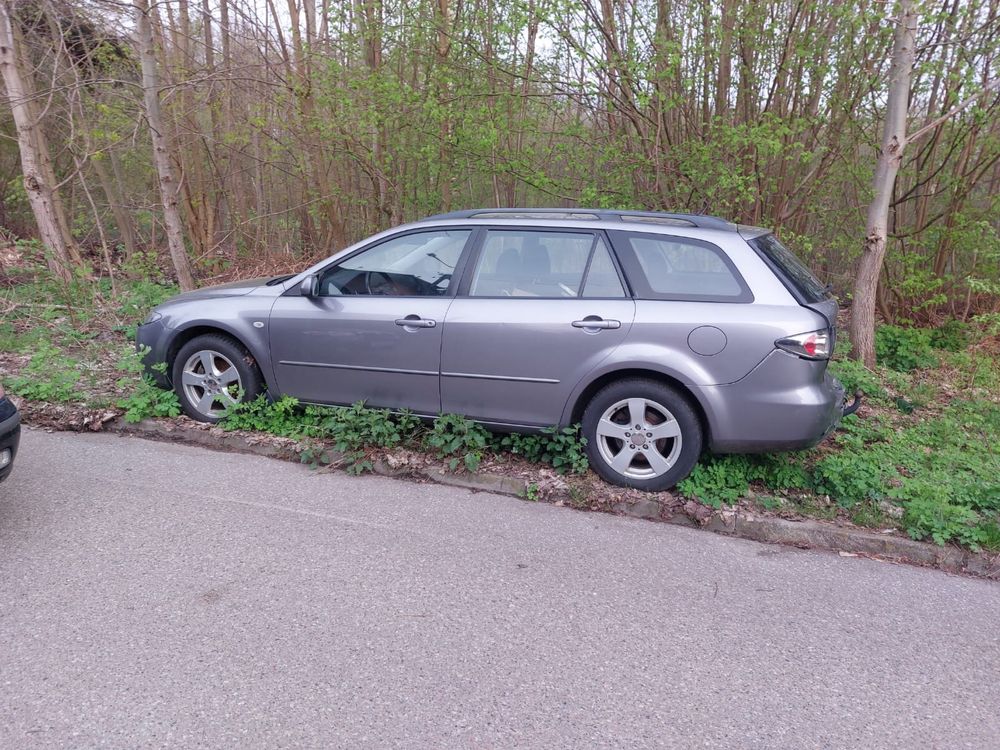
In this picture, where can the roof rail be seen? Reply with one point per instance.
(702, 221)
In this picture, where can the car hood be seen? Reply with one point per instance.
(232, 289)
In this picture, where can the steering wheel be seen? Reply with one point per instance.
(383, 287)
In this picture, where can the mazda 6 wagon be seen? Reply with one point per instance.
(662, 335)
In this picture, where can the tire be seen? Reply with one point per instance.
(622, 455)
(212, 373)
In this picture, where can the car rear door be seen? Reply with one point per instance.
(373, 333)
(537, 311)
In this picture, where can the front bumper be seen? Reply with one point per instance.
(153, 336)
(785, 403)
(10, 436)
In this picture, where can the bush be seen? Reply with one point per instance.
(458, 439)
(282, 417)
(357, 426)
(145, 398)
(904, 349)
(562, 448)
(951, 336)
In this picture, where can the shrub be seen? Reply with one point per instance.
(459, 440)
(282, 417)
(562, 448)
(718, 480)
(145, 398)
(952, 336)
(904, 349)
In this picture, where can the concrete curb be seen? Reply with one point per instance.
(806, 534)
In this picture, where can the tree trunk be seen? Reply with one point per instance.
(39, 180)
(890, 157)
(161, 156)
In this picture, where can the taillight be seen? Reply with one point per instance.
(813, 345)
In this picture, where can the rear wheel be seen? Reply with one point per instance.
(213, 373)
(643, 434)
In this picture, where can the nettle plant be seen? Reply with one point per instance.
(458, 440)
(356, 431)
(145, 399)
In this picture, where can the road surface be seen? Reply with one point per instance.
(156, 595)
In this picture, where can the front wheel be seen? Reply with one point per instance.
(642, 434)
(213, 373)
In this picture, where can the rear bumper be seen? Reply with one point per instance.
(785, 403)
(10, 436)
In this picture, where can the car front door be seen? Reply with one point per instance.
(538, 311)
(372, 332)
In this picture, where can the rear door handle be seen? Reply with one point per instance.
(415, 321)
(593, 322)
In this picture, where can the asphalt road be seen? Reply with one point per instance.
(155, 595)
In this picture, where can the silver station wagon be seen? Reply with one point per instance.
(663, 335)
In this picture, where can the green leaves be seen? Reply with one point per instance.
(145, 399)
(562, 448)
(904, 349)
(356, 431)
(49, 375)
(458, 440)
(719, 480)
(282, 417)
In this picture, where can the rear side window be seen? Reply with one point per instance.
(525, 263)
(663, 266)
(791, 270)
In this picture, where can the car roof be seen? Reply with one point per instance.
(702, 221)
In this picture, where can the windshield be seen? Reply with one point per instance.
(794, 273)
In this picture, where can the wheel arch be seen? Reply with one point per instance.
(574, 414)
(184, 335)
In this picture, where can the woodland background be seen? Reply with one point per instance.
(289, 129)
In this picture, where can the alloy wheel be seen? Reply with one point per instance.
(211, 383)
(639, 438)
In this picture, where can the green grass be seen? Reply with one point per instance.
(928, 451)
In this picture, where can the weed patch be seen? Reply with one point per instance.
(562, 448)
(144, 398)
(50, 375)
(905, 349)
(458, 440)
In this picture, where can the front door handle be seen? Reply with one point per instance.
(592, 322)
(415, 321)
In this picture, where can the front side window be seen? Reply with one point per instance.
(420, 264)
(524, 263)
(670, 267)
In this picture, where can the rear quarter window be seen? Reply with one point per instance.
(662, 266)
(793, 273)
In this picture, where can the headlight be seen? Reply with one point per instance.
(152, 318)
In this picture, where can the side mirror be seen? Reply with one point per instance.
(310, 286)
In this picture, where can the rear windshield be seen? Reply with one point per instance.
(793, 272)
